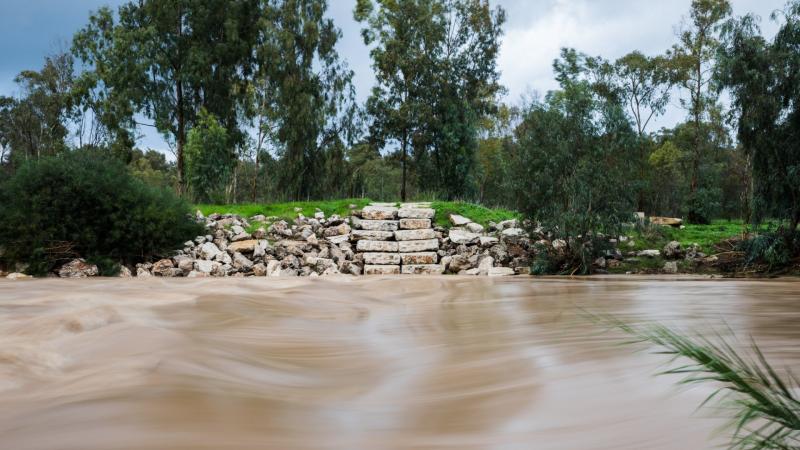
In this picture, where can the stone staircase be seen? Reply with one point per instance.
(396, 240)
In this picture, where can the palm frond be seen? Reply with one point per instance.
(765, 406)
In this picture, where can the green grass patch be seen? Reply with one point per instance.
(286, 210)
(477, 213)
(705, 236)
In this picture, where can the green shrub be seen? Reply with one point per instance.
(776, 250)
(87, 204)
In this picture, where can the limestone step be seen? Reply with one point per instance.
(416, 205)
(358, 235)
(381, 259)
(423, 269)
(418, 246)
(416, 213)
(376, 225)
(381, 270)
(414, 235)
(379, 213)
(377, 246)
(414, 224)
(422, 258)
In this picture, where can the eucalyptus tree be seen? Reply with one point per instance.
(572, 164)
(465, 85)
(764, 79)
(303, 91)
(694, 59)
(167, 59)
(403, 35)
(436, 77)
(36, 123)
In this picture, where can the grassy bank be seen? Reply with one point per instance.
(288, 210)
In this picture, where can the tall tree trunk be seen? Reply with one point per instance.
(255, 176)
(404, 157)
(181, 138)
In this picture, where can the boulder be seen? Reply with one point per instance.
(78, 268)
(17, 276)
(224, 258)
(414, 224)
(339, 230)
(649, 254)
(185, 263)
(488, 241)
(474, 227)
(414, 235)
(512, 223)
(208, 251)
(463, 237)
(377, 246)
(259, 270)
(673, 250)
(141, 272)
(205, 266)
(600, 263)
(666, 221)
(241, 262)
(501, 272)
(459, 221)
(124, 272)
(671, 267)
(485, 265)
(247, 246)
(273, 268)
(458, 263)
(513, 233)
(418, 246)
(163, 268)
(381, 259)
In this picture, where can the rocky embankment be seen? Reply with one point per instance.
(380, 239)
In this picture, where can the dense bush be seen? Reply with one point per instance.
(776, 250)
(89, 205)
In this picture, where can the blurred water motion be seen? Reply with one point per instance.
(368, 363)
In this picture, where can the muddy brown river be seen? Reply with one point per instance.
(367, 363)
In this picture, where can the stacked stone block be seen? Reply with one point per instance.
(396, 240)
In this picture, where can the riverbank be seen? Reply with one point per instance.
(360, 237)
(370, 362)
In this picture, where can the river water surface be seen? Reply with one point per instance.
(367, 363)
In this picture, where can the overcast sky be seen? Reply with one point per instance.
(535, 32)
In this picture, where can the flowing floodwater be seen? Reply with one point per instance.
(367, 363)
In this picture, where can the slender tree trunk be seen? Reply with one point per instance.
(255, 176)
(181, 138)
(404, 157)
(698, 111)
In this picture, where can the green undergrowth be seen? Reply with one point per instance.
(706, 236)
(477, 213)
(286, 211)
